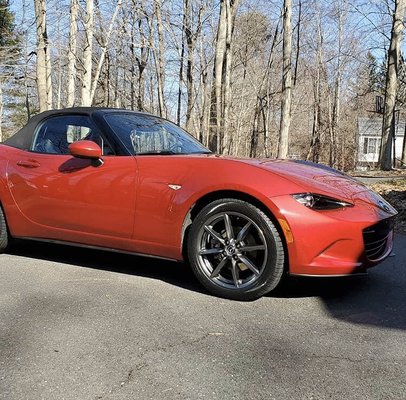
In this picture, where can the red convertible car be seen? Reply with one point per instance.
(133, 182)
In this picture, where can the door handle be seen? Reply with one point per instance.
(28, 164)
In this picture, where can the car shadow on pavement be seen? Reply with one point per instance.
(377, 299)
(174, 273)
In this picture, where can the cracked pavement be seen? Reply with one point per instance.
(86, 324)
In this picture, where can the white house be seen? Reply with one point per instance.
(369, 140)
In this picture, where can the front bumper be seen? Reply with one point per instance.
(336, 242)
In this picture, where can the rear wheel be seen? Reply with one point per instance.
(4, 237)
(235, 250)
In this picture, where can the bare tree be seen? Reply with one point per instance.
(314, 149)
(144, 52)
(186, 11)
(73, 31)
(88, 54)
(44, 81)
(216, 97)
(403, 159)
(104, 47)
(204, 112)
(388, 125)
(191, 34)
(160, 59)
(336, 108)
(214, 70)
(9, 55)
(283, 147)
(221, 73)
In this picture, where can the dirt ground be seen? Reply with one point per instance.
(395, 193)
(395, 173)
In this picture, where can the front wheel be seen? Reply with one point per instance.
(235, 250)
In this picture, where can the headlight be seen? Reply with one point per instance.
(319, 202)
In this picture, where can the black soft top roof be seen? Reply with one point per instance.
(23, 138)
(80, 110)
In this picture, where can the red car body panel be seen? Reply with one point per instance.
(141, 204)
(65, 198)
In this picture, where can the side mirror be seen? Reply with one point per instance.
(85, 149)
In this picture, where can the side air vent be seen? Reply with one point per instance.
(378, 239)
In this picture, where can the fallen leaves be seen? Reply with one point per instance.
(395, 193)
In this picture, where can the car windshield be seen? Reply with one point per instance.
(146, 134)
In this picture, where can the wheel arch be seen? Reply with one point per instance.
(4, 191)
(227, 194)
(5, 215)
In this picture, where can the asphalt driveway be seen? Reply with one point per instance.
(83, 324)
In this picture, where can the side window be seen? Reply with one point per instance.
(56, 134)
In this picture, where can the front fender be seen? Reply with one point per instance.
(168, 191)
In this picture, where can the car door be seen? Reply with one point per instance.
(70, 198)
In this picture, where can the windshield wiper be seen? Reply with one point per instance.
(168, 153)
(157, 152)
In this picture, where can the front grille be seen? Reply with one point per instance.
(376, 238)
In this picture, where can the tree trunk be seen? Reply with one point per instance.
(26, 67)
(179, 104)
(73, 31)
(133, 62)
(315, 140)
(60, 79)
(49, 78)
(133, 76)
(314, 150)
(385, 156)
(403, 159)
(222, 74)
(160, 60)
(269, 91)
(204, 95)
(181, 63)
(142, 60)
(216, 103)
(44, 83)
(299, 21)
(190, 41)
(337, 94)
(254, 133)
(107, 84)
(231, 12)
(87, 55)
(283, 147)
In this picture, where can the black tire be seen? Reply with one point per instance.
(235, 250)
(4, 237)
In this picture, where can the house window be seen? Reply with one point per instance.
(371, 145)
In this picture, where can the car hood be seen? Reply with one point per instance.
(312, 177)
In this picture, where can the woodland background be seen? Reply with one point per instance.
(247, 77)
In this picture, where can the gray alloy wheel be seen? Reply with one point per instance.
(235, 250)
(4, 238)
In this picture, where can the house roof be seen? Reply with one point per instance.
(373, 127)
